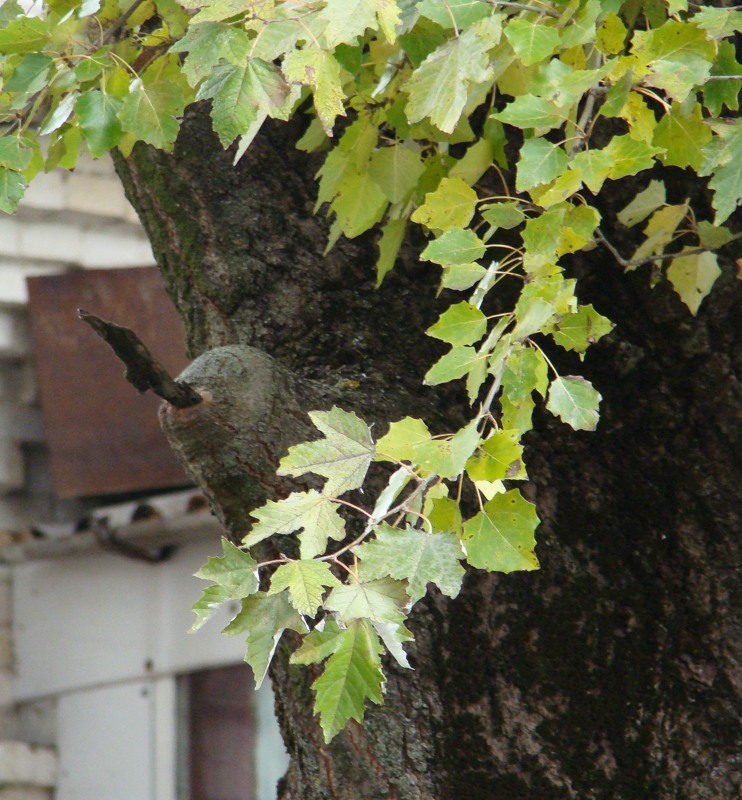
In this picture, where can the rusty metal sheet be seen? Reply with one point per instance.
(104, 436)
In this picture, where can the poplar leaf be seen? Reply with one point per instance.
(13, 154)
(629, 156)
(713, 236)
(352, 675)
(460, 324)
(532, 40)
(319, 643)
(517, 414)
(454, 364)
(501, 537)
(236, 572)
(97, 113)
(540, 162)
(438, 87)
(455, 246)
(451, 205)
(693, 276)
(659, 231)
(717, 94)
(209, 43)
(211, 600)
(525, 371)
(647, 201)
(461, 276)
(342, 456)
(376, 601)
(503, 215)
(306, 581)
(447, 457)
(264, 617)
(574, 401)
(500, 457)
(347, 20)
(462, 13)
(400, 441)
(396, 171)
(418, 557)
(682, 136)
(359, 205)
(312, 512)
(528, 111)
(25, 35)
(320, 70)
(726, 181)
(392, 236)
(579, 330)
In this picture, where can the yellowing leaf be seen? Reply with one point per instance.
(320, 70)
(400, 441)
(647, 201)
(348, 19)
(359, 205)
(460, 324)
(579, 330)
(396, 171)
(693, 276)
(451, 205)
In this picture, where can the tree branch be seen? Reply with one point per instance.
(143, 370)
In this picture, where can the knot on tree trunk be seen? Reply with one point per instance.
(230, 444)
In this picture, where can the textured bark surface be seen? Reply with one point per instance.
(611, 673)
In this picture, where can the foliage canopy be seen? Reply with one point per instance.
(420, 107)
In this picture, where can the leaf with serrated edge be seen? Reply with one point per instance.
(400, 441)
(320, 70)
(532, 40)
(418, 557)
(460, 324)
(352, 675)
(264, 618)
(342, 456)
(451, 205)
(211, 600)
(311, 511)
(500, 538)
(377, 601)
(499, 458)
(447, 457)
(455, 246)
(306, 581)
(574, 401)
(693, 276)
(396, 171)
(235, 571)
(579, 330)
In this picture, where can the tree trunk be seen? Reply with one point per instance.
(608, 674)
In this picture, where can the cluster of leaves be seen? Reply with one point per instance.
(584, 92)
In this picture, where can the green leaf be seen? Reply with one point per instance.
(593, 166)
(693, 276)
(342, 456)
(455, 246)
(682, 136)
(727, 168)
(532, 39)
(611, 35)
(211, 600)
(311, 511)
(501, 537)
(264, 618)
(528, 111)
(155, 100)
(574, 401)
(415, 556)
(499, 458)
(97, 113)
(447, 457)
(390, 243)
(319, 644)
(25, 35)
(359, 205)
(240, 93)
(459, 325)
(503, 215)
(438, 89)
(31, 74)
(236, 571)
(451, 205)
(461, 276)
(579, 330)
(659, 231)
(476, 161)
(454, 364)
(517, 415)
(396, 171)
(306, 581)
(208, 43)
(348, 19)
(462, 13)
(532, 314)
(14, 155)
(629, 156)
(713, 236)
(352, 675)
(320, 70)
(540, 162)
(525, 371)
(647, 201)
(377, 601)
(400, 441)
(719, 93)
(718, 22)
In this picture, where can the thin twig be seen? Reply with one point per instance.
(121, 21)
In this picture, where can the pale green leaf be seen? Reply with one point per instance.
(209, 43)
(400, 441)
(30, 75)
(25, 35)
(352, 675)
(517, 415)
(377, 601)
(455, 246)
(451, 205)
(392, 236)
(720, 93)
(359, 205)
(447, 456)
(454, 364)
(320, 643)
(693, 276)
(647, 201)
(579, 330)
(500, 457)
(311, 511)
(236, 572)
(438, 89)
(540, 162)
(506, 215)
(264, 618)
(396, 171)
(629, 156)
(713, 236)
(320, 70)
(682, 136)
(14, 154)
(460, 324)
(528, 111)
(306, 581)
(461, 276)
(525, 371)
(501, 537)
(476, 161)
(532, 314)
(727, 178)
(347, 20)
(342, 456)
(574, 401)
(211, 600)
(532, 39)
(660, 231)
(446, 13)
(418, 557)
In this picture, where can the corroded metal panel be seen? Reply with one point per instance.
(104, 437)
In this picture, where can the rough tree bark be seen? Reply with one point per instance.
(608, 674)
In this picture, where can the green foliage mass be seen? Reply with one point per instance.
(413, 101)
